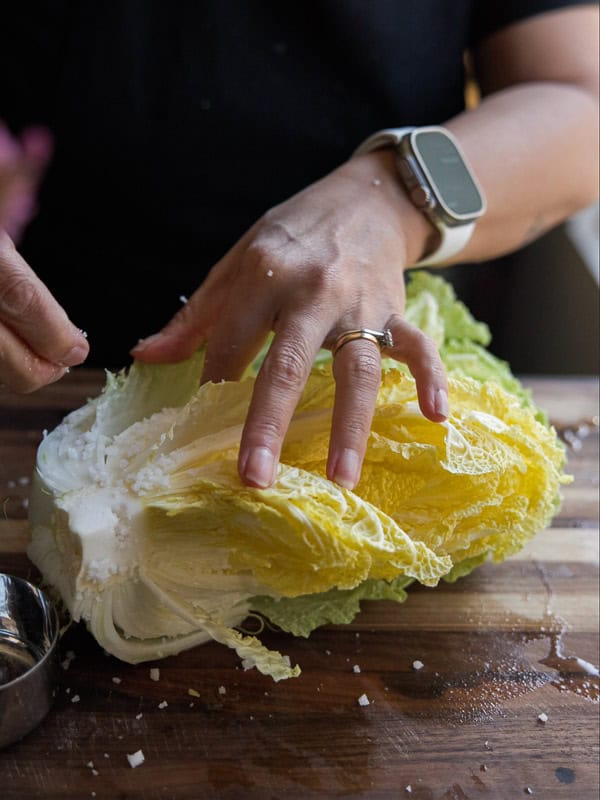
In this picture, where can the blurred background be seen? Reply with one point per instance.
(542, 303)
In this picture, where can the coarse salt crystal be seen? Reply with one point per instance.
(270, 273)
(90, 764)
(356, 668)
(75, 698)
(222, 690)
(543, 717)
(135, 759)
(116, 680)
(139, 716)
(164, 704)
(408, 789)
(155, 674)
(363, 700)
(418, 664)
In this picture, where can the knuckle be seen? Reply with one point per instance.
(423, 347)
(429, 346)
(432, 358)
(267, 431)
(357, 424)
(287, 367)
(364, 369)
(323, 280)
(424, 343)
(258, 256)
(18, 296)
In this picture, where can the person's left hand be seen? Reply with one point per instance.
(328, 260)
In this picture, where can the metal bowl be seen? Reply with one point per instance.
(29, 667)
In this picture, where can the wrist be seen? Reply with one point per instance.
(438, 182)
(378, 170)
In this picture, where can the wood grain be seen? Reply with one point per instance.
(499, 647)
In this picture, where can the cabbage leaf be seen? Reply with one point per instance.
(140, 522)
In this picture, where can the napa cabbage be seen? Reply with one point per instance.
(141, 526)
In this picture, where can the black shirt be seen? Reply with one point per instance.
(177, 124)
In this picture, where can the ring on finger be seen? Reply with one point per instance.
(382, 338)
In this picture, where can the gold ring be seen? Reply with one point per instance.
(380, 338)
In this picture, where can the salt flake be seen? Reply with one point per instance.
(135, 759)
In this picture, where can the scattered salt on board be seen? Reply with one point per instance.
(135, 759)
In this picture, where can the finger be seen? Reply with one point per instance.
(21, 370)
(243, 326)
(277, 390)
(28, 309)
(192, 324)
(419, 352)
(357, 373)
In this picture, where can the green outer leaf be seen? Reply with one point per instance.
(464, 567)
(301, 615)
(144, 389)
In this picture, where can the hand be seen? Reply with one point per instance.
(37, 341)
(328, 260)
(23, 162)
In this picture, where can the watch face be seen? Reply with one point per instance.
(450, 177)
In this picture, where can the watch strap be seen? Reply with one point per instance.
(452, 239)
(384, 138)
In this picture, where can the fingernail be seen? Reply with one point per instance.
(143, 343)
(347, 469)
(441, 402)
(75, 356)
(259, 469)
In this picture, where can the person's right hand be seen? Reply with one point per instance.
(38, 342)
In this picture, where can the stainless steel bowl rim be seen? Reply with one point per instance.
(50, 651)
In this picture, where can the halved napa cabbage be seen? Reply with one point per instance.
(141, 525)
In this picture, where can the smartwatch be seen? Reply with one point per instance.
(438, 181)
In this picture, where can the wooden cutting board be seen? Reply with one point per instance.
(505, 704)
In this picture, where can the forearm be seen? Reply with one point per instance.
(534, 148)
